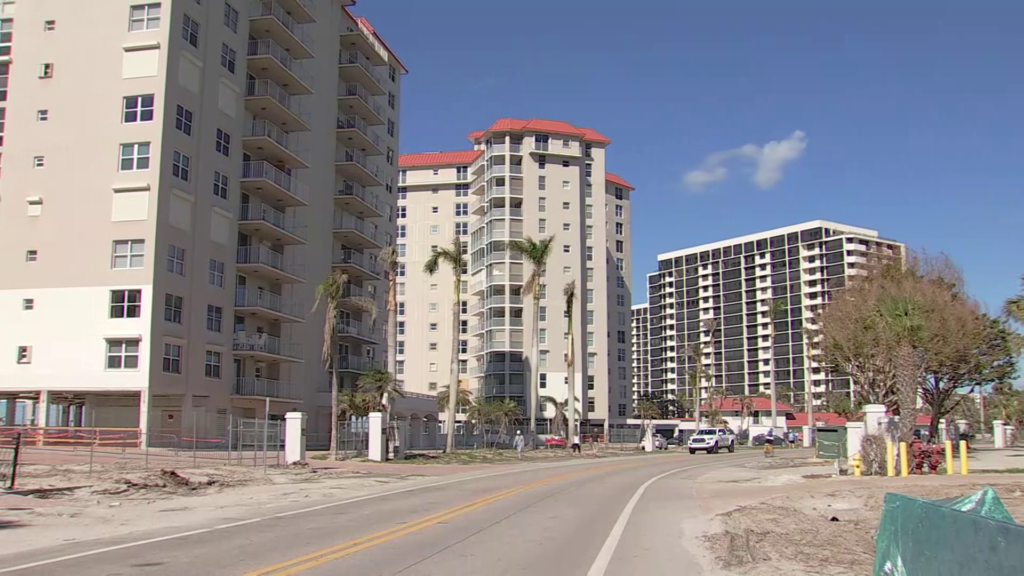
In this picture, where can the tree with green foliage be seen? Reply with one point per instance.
(560, 420)
(464, 399)
(453, 257)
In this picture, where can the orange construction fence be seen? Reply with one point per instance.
(67, 436)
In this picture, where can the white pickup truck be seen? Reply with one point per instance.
(711, 440)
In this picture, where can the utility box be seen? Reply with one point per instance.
(831, 443)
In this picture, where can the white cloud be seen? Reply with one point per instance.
(769, 162)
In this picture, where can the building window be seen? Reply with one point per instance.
(227, 57)
(400, 272)
(391, 73)
(46, 70)
(462, 190)
(400, 348)
(432, 306)
(620, 264)
(542, 204)
(31, 255)
(400, 249)
(432, 327)
(591, 405)
(183, 120)
(432, 367)
(618, 210)
(621, 355)
(590, 253)
(620, 282)
(391, 127)
(214, 318)
(618, 193)
(400, 213)
(391, 103)
(172, 358)
(566, 206)
(542, 314)
(400, 328)
(175, 260)
(542, 362)
(400, 367)
(435, 229)
(542, 161)
(212, 366)
(620, 336)
(622, 410)
(180, 165)
(590, 339)
(391, 156)
(39, 162)
(223, 144)
(142, 17)
(42, 115)
(24, 355)
(565, 163)
(590, 317)
(542, 182)
(542, 336)
(590, 274)
(28, 304)
(401, 231)
(463, 326)
(588, 191)
(230, 17)
(400, 311)
(542, 226)
(435, 209)
(128, 254)
(619, 228)
(220, 185)
(590, 382)
(620, 300)
(589, 211)
(587, 150)
(566, 226)
(619, 246)
(216, 275)
(136, 109)
(567, 270)
(542, 291)
(590, 295)
(588, 170)
(172, 308)
(566, 248)
(591, 361)
(134, 157)
(122, 354)
(461, 209)
(190, 31)
(125, 303)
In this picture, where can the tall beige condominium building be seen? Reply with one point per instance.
(179, 176)
(641, 351)
(536, 178)
(733, 284)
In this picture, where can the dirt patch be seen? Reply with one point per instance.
(828, 531)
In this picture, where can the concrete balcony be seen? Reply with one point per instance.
(556, 147)
(267, 348)
(269, 20)
(265, 388)
(353, 66)
(354, 132)
(363, 40)
(265, 99)
(357, 364)
(261, 220)
(357, 199)
(264, 180)
(267, 305)
(354, 99)
(352, 165)
(261, 138)
(304, 11)
(358, 266)
(359, 331)
(267, 264)
(267, 59)
(358, 234)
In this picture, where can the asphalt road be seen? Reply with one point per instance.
(589, 517)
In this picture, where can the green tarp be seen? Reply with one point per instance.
(974, 534)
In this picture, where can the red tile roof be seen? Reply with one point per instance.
(438, 158)
(759, 403)
(541, 125)
(833, 419)
(617, 180)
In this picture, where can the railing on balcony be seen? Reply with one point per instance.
(261, 128)
(353, 57)
(345, 155)
(266, 257)
(265, 343)
(265, 388)
(353, 122)
(496, 170)
(496, 149)
(356, 190)
(261, 8)
(263, 170)
(356, 328)
(357, 259)
(267, 88)
(357, 90)
(358, 363)
(346, 221)
(267, 47)
(505, 212)
(260, 212)
(245, 298)
(515, 148)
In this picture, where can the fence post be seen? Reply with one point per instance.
(193, 439)
(229, 438)
(266, 431)
(14, 460)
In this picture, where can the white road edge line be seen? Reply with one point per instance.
(283, 514)
(604, 557)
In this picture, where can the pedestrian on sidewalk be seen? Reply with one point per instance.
(519, 443)
(576, 444)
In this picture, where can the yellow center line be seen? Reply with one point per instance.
(321, 557)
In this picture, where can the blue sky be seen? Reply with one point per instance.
(912, 111)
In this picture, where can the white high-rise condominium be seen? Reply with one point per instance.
(179, 176)
(734, 282)
(641, 351)
(536, 178)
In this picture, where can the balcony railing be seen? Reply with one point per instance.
(260, 212)
(356, 190)
(496, 149)
(353, 57)
(261, 8)
(357, 90)
(358, 363)
(515, 169)
(346, 221)
(515, 148)
(267, 47)
(345, 155)
(357, 259)
(245, 298)
(264, 343)
(357, 328)
(267, 129)
(265, 388)
(353, 122)
(267, 88)
(266, 257)
(497, 170)
(263, 170)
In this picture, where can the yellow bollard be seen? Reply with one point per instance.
(949, 456)
(904, 465)
(855, 463)
(963, 457)
(890, 465)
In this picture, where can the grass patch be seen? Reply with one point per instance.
(320, 457)
(1001, 471)
(467, 457)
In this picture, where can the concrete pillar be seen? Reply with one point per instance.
(649, 439)
(943, 433)
(873, 415)
(808, 436)
(144, 415)
(377, 449)
(294, 437)
(401, 438)
(999, 433)
(43, 408)
(854, 438)
(11, 411)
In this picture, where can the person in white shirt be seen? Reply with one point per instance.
(576, 444)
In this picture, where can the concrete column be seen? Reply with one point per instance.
(943, 434)
(401, 438)
(377, 442)
(11, 411)
(808, 436)
(999, 433)
(43, 408)
(144, 415)
(873, 415)
(294, 437)
(649, 439)
(854, 437)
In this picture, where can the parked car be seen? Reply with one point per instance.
(677, 440)
(660, 443)
(712, 440)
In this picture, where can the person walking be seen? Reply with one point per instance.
(519, 443)
(576, 444)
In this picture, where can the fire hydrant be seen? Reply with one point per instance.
(856, 464)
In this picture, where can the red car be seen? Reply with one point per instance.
(554, 441)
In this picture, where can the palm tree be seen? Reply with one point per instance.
(452, 256)
(775, 309)
(388, 259)
(746, 409)
(560, 406)
(352, 403)
(535, 252)
(482, 412)
(464, 400)
(1014, 306)
(695, 376)
(648, 410)
(569, 293)
(505, 412)
(331, 292)
(903, 318)
(380, 386)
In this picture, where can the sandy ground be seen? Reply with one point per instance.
(776, 517)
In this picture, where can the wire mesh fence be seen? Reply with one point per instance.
(10, 450)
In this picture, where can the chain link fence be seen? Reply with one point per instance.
(10, 451)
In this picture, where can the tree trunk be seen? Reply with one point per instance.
(334, 409)
(771, 381)
(534, 368)
(453, 388)
(696, 404)
(907, 390)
